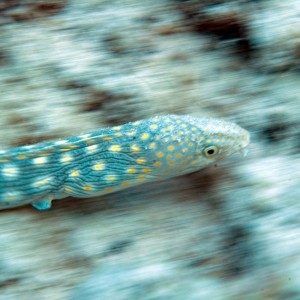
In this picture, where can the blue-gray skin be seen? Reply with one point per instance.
(111, 159)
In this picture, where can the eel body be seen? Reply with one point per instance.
(111, 159)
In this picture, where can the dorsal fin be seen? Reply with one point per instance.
(59, 146)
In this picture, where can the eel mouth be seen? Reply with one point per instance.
(245, 143)
(244, 151)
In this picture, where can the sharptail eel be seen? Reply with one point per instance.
(112, 159)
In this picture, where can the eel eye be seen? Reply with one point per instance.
(210, 151)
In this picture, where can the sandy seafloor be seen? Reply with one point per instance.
(231, 231)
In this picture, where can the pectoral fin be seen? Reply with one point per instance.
(42, 204)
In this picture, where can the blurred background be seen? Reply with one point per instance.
(230, 231)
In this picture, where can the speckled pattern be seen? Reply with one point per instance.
(230, 231)
(112, 159)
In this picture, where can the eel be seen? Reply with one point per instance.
(115, 158)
